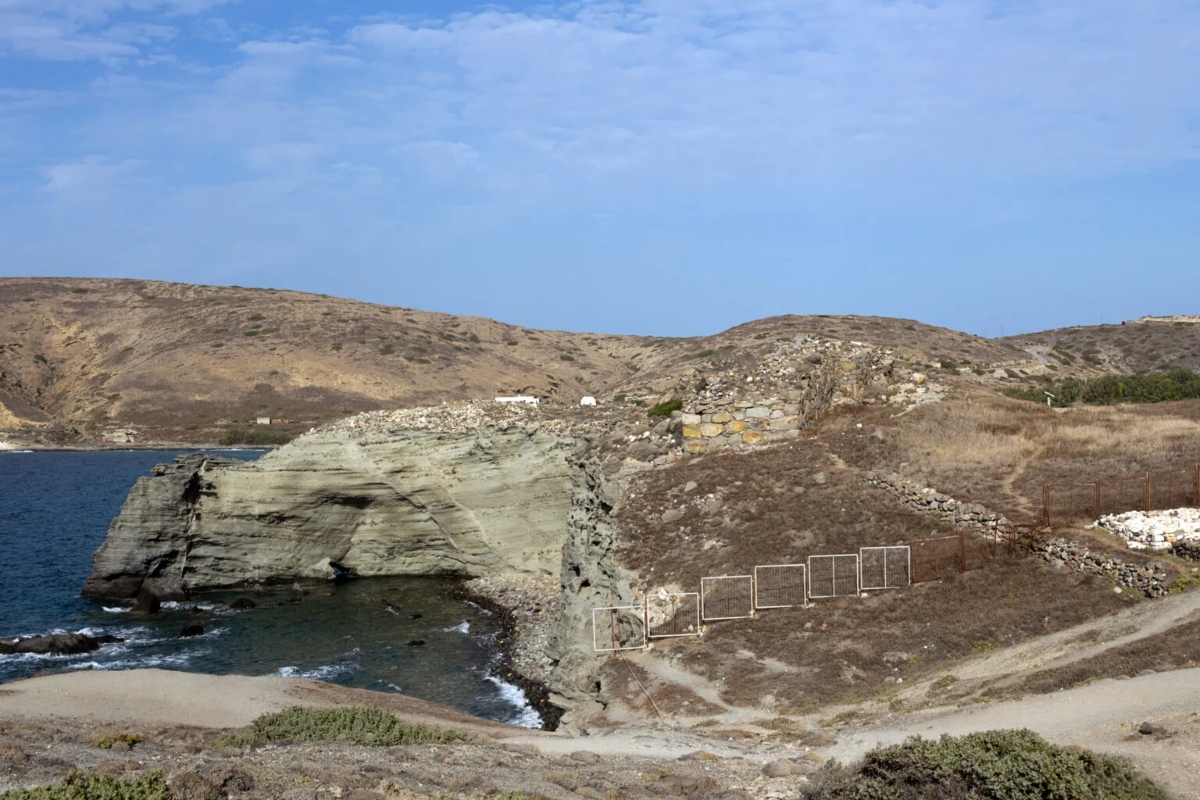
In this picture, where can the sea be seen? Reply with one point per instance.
(408, 635)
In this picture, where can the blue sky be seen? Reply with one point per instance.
(669, 167)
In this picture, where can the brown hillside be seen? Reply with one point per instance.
(184, 362)
(1136, 346)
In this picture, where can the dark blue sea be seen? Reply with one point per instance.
(55, 508)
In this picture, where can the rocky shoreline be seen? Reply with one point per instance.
(524, 604)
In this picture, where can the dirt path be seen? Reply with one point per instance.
(1067, 646)
(1102, 716)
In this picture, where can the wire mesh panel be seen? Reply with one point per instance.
(833, 576)
(1069, 502)
(780, 586)
(727, 597)
(618, 628)
(937, 558)
(1174, 488)
(884, 567)
(1118, 495)
(672, 615)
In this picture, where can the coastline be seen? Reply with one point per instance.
(524, 606)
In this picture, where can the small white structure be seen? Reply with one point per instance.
(263, 420)
(587, 401)
(527, 399)
(120, 436)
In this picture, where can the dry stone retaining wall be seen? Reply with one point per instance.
(1151, 579)
(928, 501)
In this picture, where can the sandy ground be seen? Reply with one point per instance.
(58, 714)
(1101, 716)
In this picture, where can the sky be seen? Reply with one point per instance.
(664, 167)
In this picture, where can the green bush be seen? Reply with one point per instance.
(96, 786)
(993, 765)
(255, 437)
(1153, 387)
(356, 725)
(565, 357)
(667, 408)
(473, 338)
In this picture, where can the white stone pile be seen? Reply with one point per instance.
(1155, 530)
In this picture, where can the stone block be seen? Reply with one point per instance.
(752, 437)
(722, 418)
(784, 423)
(758, 412)
(739, 415)
(791, 409)
(690, 432)
(695, 447)
(737, 426)
(776, 413)
(692, 419)
(711, 429)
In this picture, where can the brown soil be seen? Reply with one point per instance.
(182, 362)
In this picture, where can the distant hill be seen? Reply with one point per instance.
(183, 362)
(1146, 345)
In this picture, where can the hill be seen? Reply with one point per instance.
(182, 362)
(1146, 345)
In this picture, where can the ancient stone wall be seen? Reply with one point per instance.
(1152, 579)
(928, 501)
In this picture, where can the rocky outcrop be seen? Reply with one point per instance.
(56, 644)
(590, 579)
(368, 503)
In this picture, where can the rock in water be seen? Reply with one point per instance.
(58, 644)
(242, 604)
(147, 602)
(191, 630)
(409, 502)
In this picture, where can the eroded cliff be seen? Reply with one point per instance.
(412, 502)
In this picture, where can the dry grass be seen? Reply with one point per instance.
(1177, 648)
(769, 507)
(1128, 349)
(984, 448)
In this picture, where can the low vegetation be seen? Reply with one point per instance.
(255, 437)
(667, 408)
(993, 765)
(96, 786)
(356, 724)
(1154, 387)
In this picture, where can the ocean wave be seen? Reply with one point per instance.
(462, 627)
(325, 673)
(116, 609)
(526, 716)
(174, 660)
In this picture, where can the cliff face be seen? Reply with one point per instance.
(409, 503)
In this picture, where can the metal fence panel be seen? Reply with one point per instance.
(937, 558)
(1172, 488)
(884, 567)
(618, 628)
(1069, 502)
(1118, 495)
(780, 586)
(727, 597)
(672, 615)
(833, 575)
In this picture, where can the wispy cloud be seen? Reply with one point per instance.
(432, 125)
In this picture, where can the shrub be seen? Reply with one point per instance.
(511, 343)
(250, 333)
(667, 408)
(705, 353)
(1154, 387)
(255, 437)
(108, 741)
(96, 786)
(41, 359)
(386, 350)
(993, 765)
(565, 357)
(79, 291)
(473, 338)
(355, 724)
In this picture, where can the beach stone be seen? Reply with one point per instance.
(59, 644)
(779, 769)
(672, 515)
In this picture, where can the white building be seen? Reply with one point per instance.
(587, 401)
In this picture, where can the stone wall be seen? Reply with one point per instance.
(1151, 579)
(786, 392)
(1189, 550)
(928, 501)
